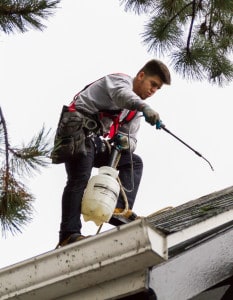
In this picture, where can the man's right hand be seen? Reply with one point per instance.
(150, 115)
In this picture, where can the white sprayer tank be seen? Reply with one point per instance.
(100, 196)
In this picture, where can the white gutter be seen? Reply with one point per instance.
(108, 256)
(107, 265)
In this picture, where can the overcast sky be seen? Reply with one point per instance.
(84, 40)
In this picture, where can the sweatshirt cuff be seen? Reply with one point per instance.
(142, 106)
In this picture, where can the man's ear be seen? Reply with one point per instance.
(141, 75)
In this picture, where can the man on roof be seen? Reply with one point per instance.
(108, 109)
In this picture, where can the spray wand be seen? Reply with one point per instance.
(160, 125)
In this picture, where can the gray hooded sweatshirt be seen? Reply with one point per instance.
(113, 92)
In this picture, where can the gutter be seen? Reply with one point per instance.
(111, 255)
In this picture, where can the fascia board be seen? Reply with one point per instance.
(106, 256)
(127, 285)
(192, 272)
(198, 229)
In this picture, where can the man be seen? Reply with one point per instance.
(105, 102)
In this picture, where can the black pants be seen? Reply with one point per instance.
(78, 173)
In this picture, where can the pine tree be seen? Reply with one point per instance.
(15, 200)
(21, 15)
(16, 207)
(197, 35)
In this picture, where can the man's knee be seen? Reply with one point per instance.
(137, 160)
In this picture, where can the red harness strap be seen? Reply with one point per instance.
(116, 121)
(71, 107)
(130, 115)
(113, 116)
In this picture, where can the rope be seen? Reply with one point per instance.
(121, 190)
(117, 160)
(125, 199)
(100, 227)
(160, 211)
(126, 204)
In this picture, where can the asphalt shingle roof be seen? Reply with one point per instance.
(192, 212)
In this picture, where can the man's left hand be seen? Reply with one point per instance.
(122, 142)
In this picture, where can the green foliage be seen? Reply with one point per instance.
(196, 35)
(190, 63)
(15, 204)
(30, 157)
(15, 201)
(166, 35)
(16, 164)
(139, 6)
(21, 15)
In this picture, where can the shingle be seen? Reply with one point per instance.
(192, 212)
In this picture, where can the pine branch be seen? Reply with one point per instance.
(21, 15)
(159, 37)
(191, 26)
(6, 145)
(210, 21)
(162, 31)
(187, 63)
(15, 201)
(221, 69)
(15, 204)
(32, 156)
(196, 34)
(138, 6)
(176, 15)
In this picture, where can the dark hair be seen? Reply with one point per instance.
(156, 67)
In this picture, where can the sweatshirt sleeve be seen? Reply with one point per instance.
(119, 87)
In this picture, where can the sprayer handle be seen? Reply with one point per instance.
(115, 152)
(159, 124)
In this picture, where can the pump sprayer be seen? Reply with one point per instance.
(102, 191)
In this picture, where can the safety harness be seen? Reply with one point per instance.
(114, 115)
(75, 125)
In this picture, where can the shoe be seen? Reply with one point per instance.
(75, 237)
(120, 218)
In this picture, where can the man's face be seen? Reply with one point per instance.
(145, 86)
